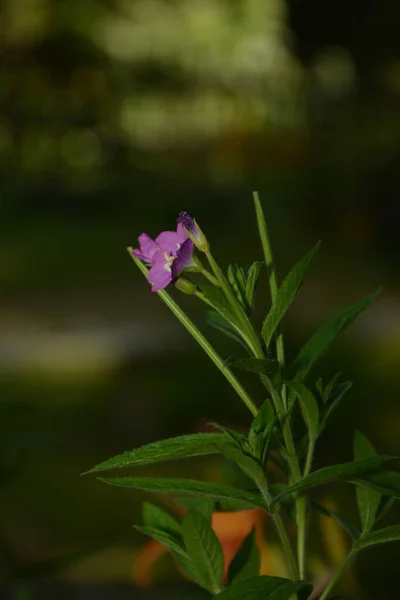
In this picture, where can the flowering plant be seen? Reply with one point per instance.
(286, 491)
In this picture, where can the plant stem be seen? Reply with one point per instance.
(302, 514)
(209, 276)
(248, 330)
(201, 340)
(269, 262)
(338, 574)
(282, 533)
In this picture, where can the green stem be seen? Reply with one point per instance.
(302, 514)
(282, 533)
(243, 320)
(338, 574)
(210, 277)
(273, 282)
(201, 340)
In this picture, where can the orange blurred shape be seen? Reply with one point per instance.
(230, 527)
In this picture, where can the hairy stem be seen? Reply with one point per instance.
(201, 340)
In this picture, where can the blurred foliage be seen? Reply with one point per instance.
(115, 115)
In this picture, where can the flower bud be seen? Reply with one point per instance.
(186, 286)
(194, 232)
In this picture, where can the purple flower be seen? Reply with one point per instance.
(193, 231)
(169, 254)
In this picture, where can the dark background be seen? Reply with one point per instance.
(114, 117)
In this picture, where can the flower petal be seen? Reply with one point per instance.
(160, 275)
(181, 234)
(184, 258)
(148, 247)
(168, 240)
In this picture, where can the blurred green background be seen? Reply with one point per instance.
(115, 115)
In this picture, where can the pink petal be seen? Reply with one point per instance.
(184, 258)
(158, 275)
(148, 246)
(168, 240)
(181, 234)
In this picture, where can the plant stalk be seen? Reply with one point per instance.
(201, 340)
(337, 575)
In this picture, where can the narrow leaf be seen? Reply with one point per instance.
(385, 505)
(214, 319)
(333, 400)
(253, 275)
(263, 366)
(156, 517)
(309, 407)
(204, 550)
(216, 298)
(343, 471)
(182, 446)
(172, 542)
(262, 588)
(386, 482)
(382, 536)
(205, 506)
(246, 562)
(237, 280)
(368, 500)
(246, 463)
(319, 343)
(260, 431)
(187, 487)
(353, 531)
(286, 294)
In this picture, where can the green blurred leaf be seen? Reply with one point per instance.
(260, 431)
(386, 482)
(368, 500)
(157, 518)
(246, 562)
(320, 342)
(263, 366)
(333, 400)
(169, 540)
(345, 471)
(237, 279)
(253, 275)
(382, 536)
(204, 551)
(183, 446)
(286, 294)
(309, 407)
(205, 506)
(385, 505)
(262, 588)
(214, 319)
(353, 531)
(187, 487)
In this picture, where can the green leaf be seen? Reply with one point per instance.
(333, 400)
(204, 550)
(382, 536)
(262, 588)
(386, 482)
(205, 506)
(385, 505)
(216, 298)
(263, 366)
(260, 431)
(345, 471)
(187, 487)
(214, 319)
(353, 531)
(286, 294)
(368, 500)
(183, 446)
(246, 562)
(170, 541)
(246, 463)
(253, 275)
(237, 279)
(237, 438)
(319, 343)
(157, 518)
(309, 407)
